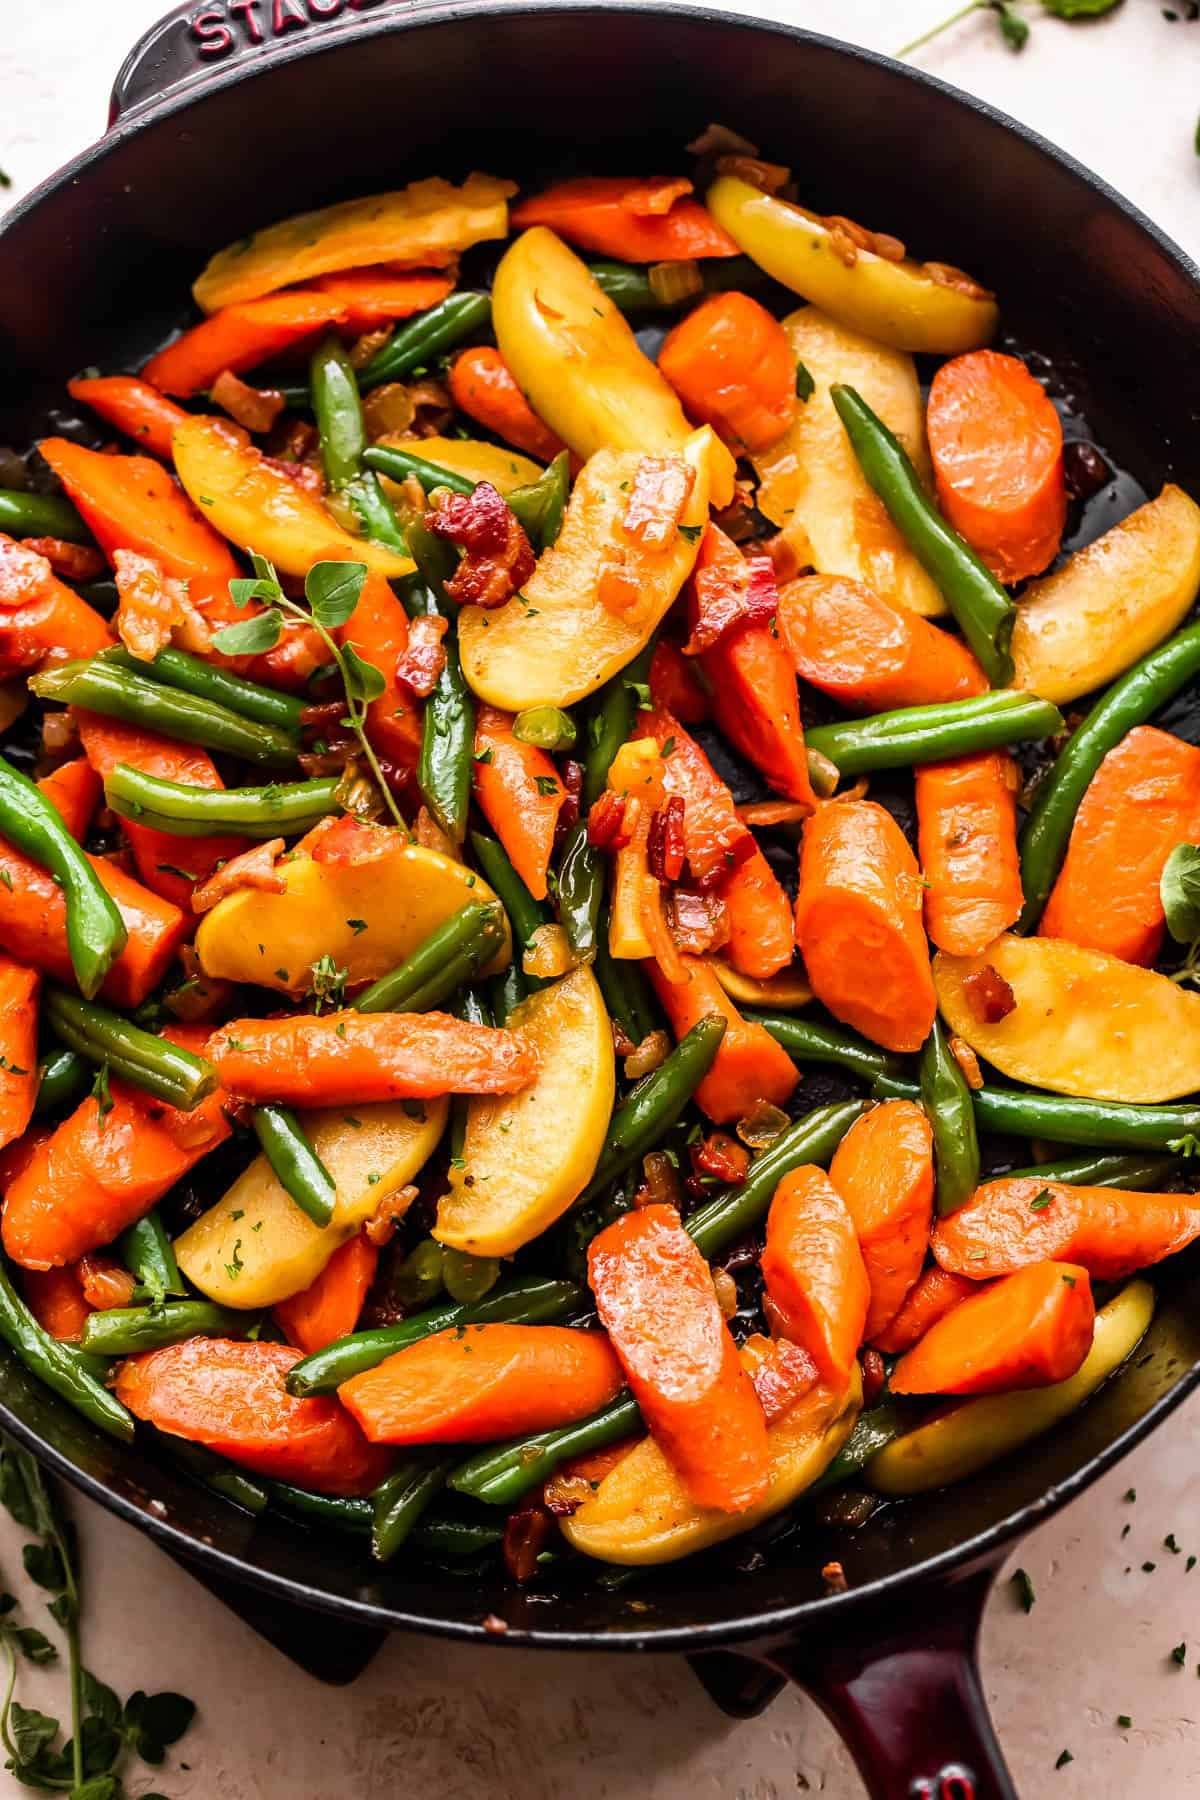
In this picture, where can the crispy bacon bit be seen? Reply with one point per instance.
(623, 1044)
(433, 407)
(878, 243)
(577, 1480)
(782, 1373)
(74, 562)
(967, 1061)
(255, 408)
(721, 1156)
(874, 1374)
(651, 1053)
(350, 843)
(381, 1226)
(989, 996)
(834, 1577)
(717, 602)
(430, 836)
(525, 1535)
(565, 1494)
(497, 556)
(725, 1288)
(254, 868)
(657, 498)
(570, 774)
(767, 177)
(105, 1283)
(946, 275)
(607, 828)
(665, 846)
(699, 921)
(419, 666)
(152, 605)
(296, 441)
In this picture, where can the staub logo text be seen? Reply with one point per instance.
(218, 31)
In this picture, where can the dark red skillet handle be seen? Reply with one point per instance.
(202, 39)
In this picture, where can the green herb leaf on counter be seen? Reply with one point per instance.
(1179, 1655)
(1023, 1589)
(1065, 1757)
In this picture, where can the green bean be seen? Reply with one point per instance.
(60, 1366)
(468, 1278)
(399, 465)
(163, 1069)
(398, 1502)
(175, 668)
(527, 1300)
(337, 404)
(546, 727)
(656, 1103)
(455, 1537)
(579, 891)
(920, 734)
(984, 611)
(212, 1471)
(448, 728)
(25, 515)
(506, 992)
(440, 1537)
(63, 1077)
(297, 1167)
(1128, 702)
(421, 339)
(610, 723)
(1137, 1172)
(1108, 1124)
(872, 1431)
(146, 1252)
(947, 1102)
(500, 1474)
(102, 687)
(128, 1330)
(627, 994)
(812, 1139)
(808, 1040)
(541, 504)
(526, 914)
(96, 932)
(282, 809)
(628, 284)
(452, 954)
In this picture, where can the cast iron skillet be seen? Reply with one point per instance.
(224, 119)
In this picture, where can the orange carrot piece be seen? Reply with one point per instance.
(1017, 1220)
(937, 1292)
(56, 1299)
(98, 1173)
(75, 789)
(868, 654)
(378, 629)
(169, 865)
(749, 1066)
(815, 1276)
(883, 1169)
(132, 406)
(484, 387)
(40, 617)
(732, 366)
(655, 1297)
(19, 988)
(997, 448)
(371, 296)
(353, 1058)
(329, 1307)
(858, 924)
(967, 823)
(673, 684)
(132, 503)
(480, 1382)
(1030, 1330)
(650, 220)
(761, 939)
(519, 794)
(1143, 800)
(230, 1397)
(239, 337)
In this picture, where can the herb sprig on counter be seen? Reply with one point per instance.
(1011, 23)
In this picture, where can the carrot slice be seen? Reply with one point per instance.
(56, 1299)
(484, 387)
(347, 1058)
(967, 819)
(673, 684)
(519, 795)
(883, 1169)
(858, 924)
(656, 1300)
(1030, 1330)
(732, 366)
(75, 789)
(230, 1397)
(376, 296)
(378, 629)
(239, 337)
(814, 1271)
(329, 1307)
(132, 406)
(480, 1382)
(19, 988)
(867, 653)
(1143, 800)
(749, 1066)
(40, 617)
(997, 448)
(936, 1293)
(1017, 1220)
(647, 220)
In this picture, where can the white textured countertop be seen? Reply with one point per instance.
(1122, 95)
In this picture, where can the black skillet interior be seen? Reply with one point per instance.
(93, 272)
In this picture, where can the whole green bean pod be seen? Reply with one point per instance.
(437, 968)
(175, 668)
(25, 515)
(1128, 702)
(60, 1366)
(127, 1330)
(398, 464)
(398, 1503)
(420, 340)
(812, 1139)
(321, 1509)
(282, 809)
(448, 725)
(872, 1431)
(656, 1103)
(1109, 1124)
(627, 994)
(104, 688)
(1136, 1172)
(501, 1473)
(810, 1040)
(921, 734)
(947, 1102)
(297, 1167)
(526, 1300)
(630, 289)
(214, 1472)
(540, 504)
(163, 1069)
(983, 609)
(526, 914)
(63, 1076)
(147, 1253)
(610, 723)
(342, 429)
(96, 932)
(455, 1538)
